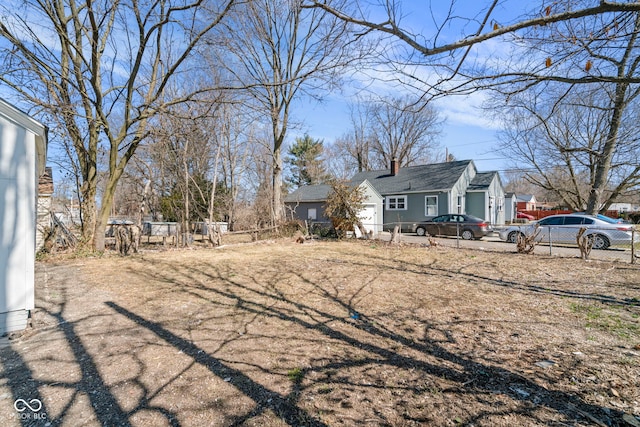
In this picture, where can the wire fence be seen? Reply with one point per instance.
(621, 241)
(622, 237)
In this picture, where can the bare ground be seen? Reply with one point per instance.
(328, 333)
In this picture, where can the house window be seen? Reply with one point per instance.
(397, 203)
(312, 214)
(500, 204)
(460, 203)
(431, 205)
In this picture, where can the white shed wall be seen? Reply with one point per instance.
(18, 178)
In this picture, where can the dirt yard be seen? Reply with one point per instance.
(327, 334)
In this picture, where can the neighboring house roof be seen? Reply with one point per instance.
(510, 195)
(529, 198)
(482, 180)
(320, 192)
(432, 177)
(309, 193)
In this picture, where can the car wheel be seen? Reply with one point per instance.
(600, 242)
(467, 235)
(421, 231)
(513, 237)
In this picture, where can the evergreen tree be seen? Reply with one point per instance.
(305, 162)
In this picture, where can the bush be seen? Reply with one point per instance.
(291, 227)
(344, 204)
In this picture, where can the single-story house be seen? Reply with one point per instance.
(307, 203)
(486, 198)
(411, 195)
(622, 207)
(527, 202)
(418, 193)
(23, 152)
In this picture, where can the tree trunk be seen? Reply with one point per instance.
(603, 166)
(101, 225)
(277, 184)
(89, 210)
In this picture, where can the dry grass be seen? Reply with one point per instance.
(329, 333)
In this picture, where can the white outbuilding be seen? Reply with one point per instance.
(23, 152)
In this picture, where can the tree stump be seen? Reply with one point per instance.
(585, 243)
(395, 235)
(526, 244)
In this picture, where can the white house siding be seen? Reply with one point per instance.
(373, 209)
(460, 189)
(21, 141)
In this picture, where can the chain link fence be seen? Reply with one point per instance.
(622, 237)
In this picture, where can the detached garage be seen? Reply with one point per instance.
(23, 150)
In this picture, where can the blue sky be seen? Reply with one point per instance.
(467, 132)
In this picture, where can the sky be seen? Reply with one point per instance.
(467, 132)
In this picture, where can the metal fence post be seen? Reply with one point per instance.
(550, 243)
(633, 245)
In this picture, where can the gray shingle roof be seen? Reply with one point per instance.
(437, 176)
(482, 180)
(309, 193)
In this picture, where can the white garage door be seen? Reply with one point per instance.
(368, 217)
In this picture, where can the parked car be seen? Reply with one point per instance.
(607, 218)
(564, 228)
(466, 226)
(522, 215)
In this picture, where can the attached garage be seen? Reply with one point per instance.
(23, 145)
(307, 204)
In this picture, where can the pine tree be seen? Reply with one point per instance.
(305, 162)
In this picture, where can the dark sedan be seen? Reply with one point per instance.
(466, 226)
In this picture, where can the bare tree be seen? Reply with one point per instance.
(402, 130)
(235, 137)
(476, 26)
(99, 71)
(185, 150)
(387, 128)
(277, 51)
(581, 42)
(561, 139)
(355, 144)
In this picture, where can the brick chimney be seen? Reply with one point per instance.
(395, 166)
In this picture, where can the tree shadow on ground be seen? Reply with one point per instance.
(433, 269)
(105, 407)
(471, 377)
(369, 343)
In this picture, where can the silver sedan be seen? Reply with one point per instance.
(564, 229)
